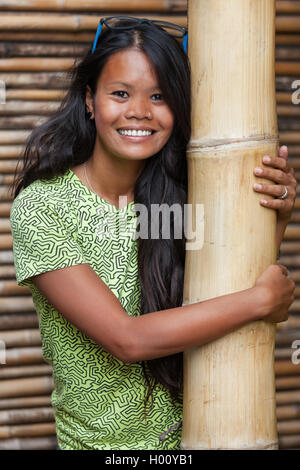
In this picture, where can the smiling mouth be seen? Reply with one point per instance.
(135, 133)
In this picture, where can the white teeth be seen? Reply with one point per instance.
(134, 133)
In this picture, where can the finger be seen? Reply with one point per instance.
(283, 152)
(277, 176)
(284, 269)
(276, 162)
(276, 190)
(281, 205)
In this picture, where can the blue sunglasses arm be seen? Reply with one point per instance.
(185, 41)
(97, 36)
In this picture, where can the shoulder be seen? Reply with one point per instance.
(41, 195)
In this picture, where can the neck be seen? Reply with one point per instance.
(111, 179)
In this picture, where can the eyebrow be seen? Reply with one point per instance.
(130, 86)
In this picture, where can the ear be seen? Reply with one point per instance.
(89, 100)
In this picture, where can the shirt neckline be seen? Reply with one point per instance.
(96, 196)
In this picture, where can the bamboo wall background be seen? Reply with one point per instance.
(39, 41)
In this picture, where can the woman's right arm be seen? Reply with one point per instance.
(79, 294)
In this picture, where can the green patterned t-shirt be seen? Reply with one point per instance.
(98, 400)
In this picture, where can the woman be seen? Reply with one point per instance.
(109, 304)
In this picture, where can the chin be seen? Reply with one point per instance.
(136, 155)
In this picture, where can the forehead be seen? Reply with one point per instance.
(130, 66)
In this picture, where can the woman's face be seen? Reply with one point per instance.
(128, 102)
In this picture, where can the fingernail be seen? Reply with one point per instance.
(257, 186)
(267, 159)
(258, 170)
(284, 147)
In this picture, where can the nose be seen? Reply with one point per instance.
(139, 108)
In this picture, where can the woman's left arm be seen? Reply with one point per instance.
(281, 176)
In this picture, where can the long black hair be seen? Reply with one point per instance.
(68, 139)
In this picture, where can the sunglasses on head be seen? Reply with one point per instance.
(111, 22)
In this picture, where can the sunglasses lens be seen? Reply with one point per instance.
(170, 29)
(123, 24)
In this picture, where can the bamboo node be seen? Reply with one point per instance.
(204, 145)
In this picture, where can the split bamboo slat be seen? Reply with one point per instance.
(34, 60)
(31, 402)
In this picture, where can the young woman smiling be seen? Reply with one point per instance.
(110, 308)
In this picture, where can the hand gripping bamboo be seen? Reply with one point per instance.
(229, 384)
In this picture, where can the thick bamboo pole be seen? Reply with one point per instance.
(229, 384)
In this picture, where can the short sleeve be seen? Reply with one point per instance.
(41, 239)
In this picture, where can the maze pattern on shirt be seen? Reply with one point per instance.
(98, 400)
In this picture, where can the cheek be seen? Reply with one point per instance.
(106, 113)
(168, 120)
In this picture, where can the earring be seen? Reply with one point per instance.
(88, 113)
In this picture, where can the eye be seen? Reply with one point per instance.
(120, 93)
(159, 97)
